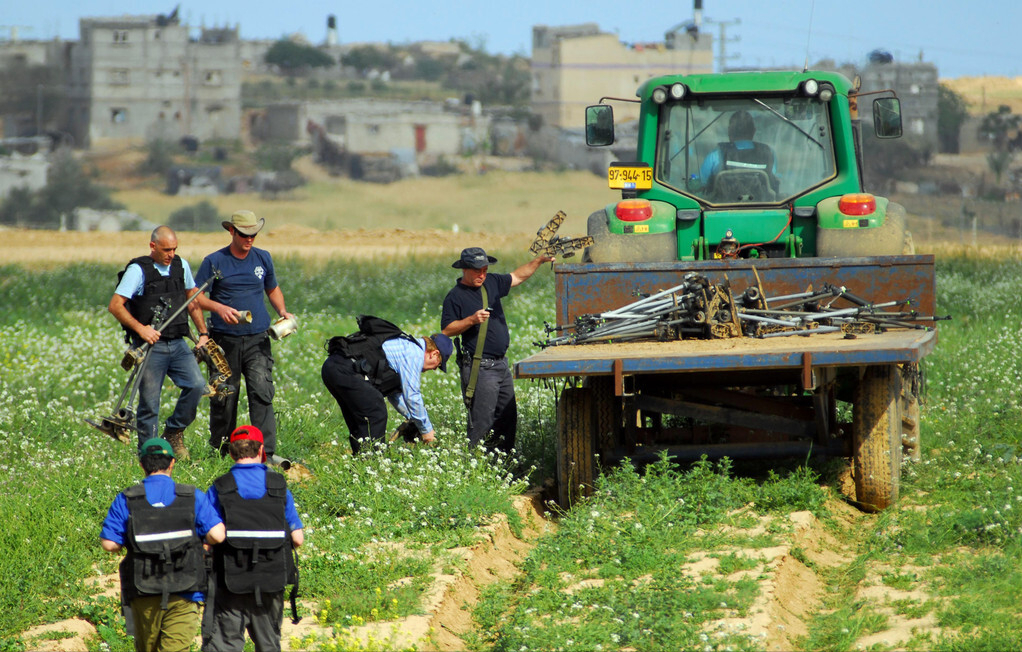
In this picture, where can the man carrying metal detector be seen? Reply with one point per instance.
(149, 288)
(472, 309)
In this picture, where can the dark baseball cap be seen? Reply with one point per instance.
(473, 258)
(445, 346)
(156, 446)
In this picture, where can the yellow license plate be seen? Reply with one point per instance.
(850, 224)
(630, 177)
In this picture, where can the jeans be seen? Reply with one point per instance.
(493, 406)
(249, 356)
(171, 358)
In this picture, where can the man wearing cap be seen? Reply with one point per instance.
(359, 384)
(254, 563)
(246, 274)
(161, 281)
(472, 305)
(162, 525)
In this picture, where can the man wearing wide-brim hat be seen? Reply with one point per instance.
(239, 323)
(486, 381)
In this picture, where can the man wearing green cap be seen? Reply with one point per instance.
(163, 526)
(239, 323)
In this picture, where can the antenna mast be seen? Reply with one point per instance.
(812, 8)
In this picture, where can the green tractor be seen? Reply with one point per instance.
(746, 165)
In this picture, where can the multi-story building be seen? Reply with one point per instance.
(917, 86)
(575, 66)
(135, 78)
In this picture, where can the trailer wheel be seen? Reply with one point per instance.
(610, 247)
(911, 444)
(606, 414)
(876, 437)
(889, 239)
(575, 461)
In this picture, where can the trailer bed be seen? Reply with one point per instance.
(735, 354)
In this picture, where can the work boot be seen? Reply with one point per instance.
(176, 437)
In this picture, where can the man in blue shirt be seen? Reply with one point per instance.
(252, 565)
(239, 324)
(741, 152)
(147, 519)
(162, 281)
(360, 388)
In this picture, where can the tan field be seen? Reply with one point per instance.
(985, 94)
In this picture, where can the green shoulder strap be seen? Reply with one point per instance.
(477, 357)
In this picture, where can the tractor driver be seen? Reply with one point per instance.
(741, 152)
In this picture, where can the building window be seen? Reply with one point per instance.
(213, 78)
(373, 129)
(914, 89)
(119, 77)
(118, 116)
(917, 126)
(120, 36)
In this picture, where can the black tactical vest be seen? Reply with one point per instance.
(156, 288)
(256, 555)
(365, 347)
(164, 549)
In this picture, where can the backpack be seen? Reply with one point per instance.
(365, 347)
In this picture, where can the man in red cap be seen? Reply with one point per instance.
(254, 563)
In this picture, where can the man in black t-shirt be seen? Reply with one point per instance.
(491, 398)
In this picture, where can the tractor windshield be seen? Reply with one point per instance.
(745, 150)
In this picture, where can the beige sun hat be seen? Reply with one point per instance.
(245, 222)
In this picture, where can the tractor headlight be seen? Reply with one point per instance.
(659, 94)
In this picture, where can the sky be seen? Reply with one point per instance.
(963, 38)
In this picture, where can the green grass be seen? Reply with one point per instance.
(377, 526)
(610, 575)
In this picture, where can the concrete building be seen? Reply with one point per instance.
(574, 66)
(136, 78)
(369, 125)
(917, 86)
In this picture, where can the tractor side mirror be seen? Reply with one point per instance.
(599, 125)
(887, 117)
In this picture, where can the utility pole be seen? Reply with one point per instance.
(39, 110)
(722, 41)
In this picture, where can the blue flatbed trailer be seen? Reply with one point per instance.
(742, 397)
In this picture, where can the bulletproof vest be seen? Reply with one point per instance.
(757, 157)
(157, 289)
(365, 347)
(256, 555)
(165, 553)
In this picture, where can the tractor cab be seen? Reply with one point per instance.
(758, 156)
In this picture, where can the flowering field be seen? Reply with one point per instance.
(59, 363)
(946, 558)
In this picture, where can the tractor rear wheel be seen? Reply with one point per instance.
(576, 467)
(876, 437)
(610, 247)
(889, 239)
